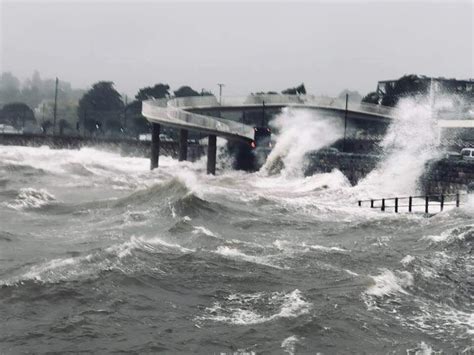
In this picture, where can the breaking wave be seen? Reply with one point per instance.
(31, 198)
(300, 131)
(256, 308)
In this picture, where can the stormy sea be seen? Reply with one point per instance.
(98, 254)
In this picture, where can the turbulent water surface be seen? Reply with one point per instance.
(98, 254)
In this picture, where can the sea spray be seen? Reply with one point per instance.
(411, 141)
(300, 132)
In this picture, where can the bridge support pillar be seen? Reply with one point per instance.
(183, 144)
(211, 155)
(155, 145)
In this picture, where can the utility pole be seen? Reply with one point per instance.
(55, 106)
(220, 93)
(125, 115)
(345, 124)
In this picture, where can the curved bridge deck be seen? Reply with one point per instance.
(178, 113)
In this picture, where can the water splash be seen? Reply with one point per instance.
(300, 131)
(411, 141)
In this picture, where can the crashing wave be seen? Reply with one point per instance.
(256, 308)
(31, 198)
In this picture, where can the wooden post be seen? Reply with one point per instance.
(211, 155)
(410, 200)
(427, 203)
(396, 204)
(383, 205)
(183, 144)
(360, 203)
(457, 199)
(371, 203)
(155, 145)
(441, 205)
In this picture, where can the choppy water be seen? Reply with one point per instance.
(98, 254)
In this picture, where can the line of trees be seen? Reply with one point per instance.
(412, 85)
(99, 111)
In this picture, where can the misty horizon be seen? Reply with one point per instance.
(249, 47)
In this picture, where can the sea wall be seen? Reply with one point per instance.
(447, 176)
(353, 166)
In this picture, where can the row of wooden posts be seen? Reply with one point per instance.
(442, 199)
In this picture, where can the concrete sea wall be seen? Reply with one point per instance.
(447, 176)
(353, 166)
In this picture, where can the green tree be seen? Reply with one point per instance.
(101, 104)
(136, 123)
(371, 98)
(18, 115)
(159, 91)
(299, 90)
(407, 85)
(185, 91)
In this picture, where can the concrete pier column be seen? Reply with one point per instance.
(155, 145)
(183, 144)
(211, 155)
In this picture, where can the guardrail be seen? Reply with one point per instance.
(413, 201)
(175, 111)
(282, 100)
(178, 117)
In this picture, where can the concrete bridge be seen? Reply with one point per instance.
(204, 114)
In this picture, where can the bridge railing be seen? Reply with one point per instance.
(179, 117)
(280, 100)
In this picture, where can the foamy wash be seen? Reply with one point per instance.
(98, 254)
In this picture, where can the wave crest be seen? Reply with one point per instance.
(31, 198)
(256, 308)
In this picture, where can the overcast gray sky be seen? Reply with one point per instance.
(248, 46)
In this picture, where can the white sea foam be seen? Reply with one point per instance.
(73, 268)
(351, 272)
(234, 253)
(289, 344)
(261, 307)
(203, 230)
(408, 259)
(453, 234)
(156, 241)
(440, 319)
(422, 349)
(389, 283)
(328, 249)
(288, 245)
(31, 198)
